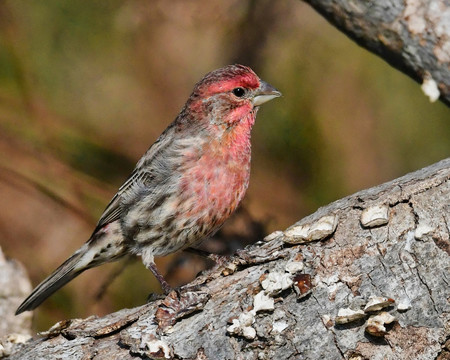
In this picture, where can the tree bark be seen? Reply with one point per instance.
(14, 286)
(413, 35)
(280, 298)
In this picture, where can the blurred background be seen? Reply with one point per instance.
(87, 86)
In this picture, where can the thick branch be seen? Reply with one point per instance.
(412, 35)
(402, 252)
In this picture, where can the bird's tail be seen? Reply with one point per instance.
(99, 250)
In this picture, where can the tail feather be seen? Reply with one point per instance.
(61, 276)
(104, 246)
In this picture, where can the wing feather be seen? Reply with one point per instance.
(143, 176)
(114, 210)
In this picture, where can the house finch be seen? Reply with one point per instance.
(184, 187)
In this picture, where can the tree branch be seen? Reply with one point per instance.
(280, 298)
(413, 35)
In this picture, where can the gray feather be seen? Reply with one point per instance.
(103, 247)
(61, 276)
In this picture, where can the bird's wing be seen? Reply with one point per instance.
(113, 211)
(142, 177)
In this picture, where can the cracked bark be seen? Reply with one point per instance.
(412, 35)
(406, 258)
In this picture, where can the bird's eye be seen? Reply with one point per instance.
(239, 92)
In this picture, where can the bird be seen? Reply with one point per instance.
(185, 185)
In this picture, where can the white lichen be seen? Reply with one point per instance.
(332, 279)
(422, 230)
(376, 215)
(273, 236)
(293, 267)
(375, 324)
(297, 234)
(404, 304)
(248, 332)
(279, 326)
(242, 326)
(317, 230)
(323, 228)
(377, 303)
(157, 346)
(430, 87)
(262, 302)
(347, 315)
(275, 282)
(279, 321)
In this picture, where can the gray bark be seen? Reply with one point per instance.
(14, 286)
(412, 35)
(403, 254)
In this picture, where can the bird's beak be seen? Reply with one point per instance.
(264, 93)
